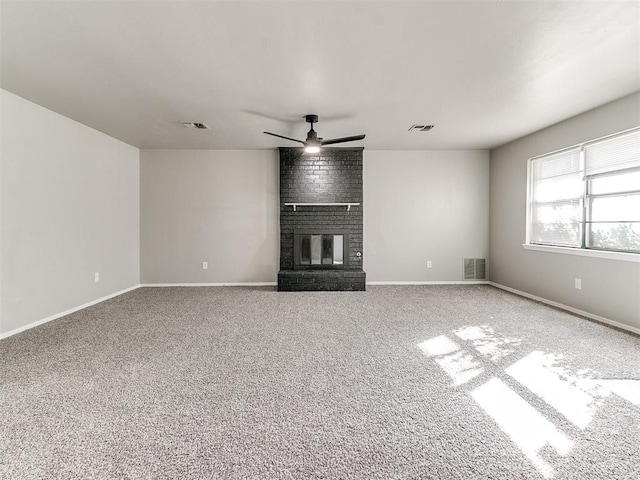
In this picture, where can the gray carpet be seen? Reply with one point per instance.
(443, 382)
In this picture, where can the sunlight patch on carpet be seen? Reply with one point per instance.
(627, 389)
(576, 395)
(487, 343)
(577, 399)
(441, 345)
(524, 425)
(459, 365)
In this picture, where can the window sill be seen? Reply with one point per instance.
(626, 257)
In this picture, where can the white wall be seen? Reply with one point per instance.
(218, 206)
(424, 205)
(610, 288)
(69, 201)
(222, 207)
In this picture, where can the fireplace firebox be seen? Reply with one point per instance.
(320, 249)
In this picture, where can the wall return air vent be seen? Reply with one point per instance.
(475, 269)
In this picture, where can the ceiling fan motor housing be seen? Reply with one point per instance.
(312, 136)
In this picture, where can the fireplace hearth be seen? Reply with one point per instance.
(321, 220)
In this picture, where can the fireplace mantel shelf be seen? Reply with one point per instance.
(333, 204)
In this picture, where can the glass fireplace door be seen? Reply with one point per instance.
(321, 249)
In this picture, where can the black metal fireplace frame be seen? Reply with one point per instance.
(297, 247)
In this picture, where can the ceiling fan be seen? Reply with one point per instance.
(313, 143)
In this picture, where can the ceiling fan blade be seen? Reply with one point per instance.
(282, 136)
(342, 139)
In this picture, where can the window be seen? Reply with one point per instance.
(588, 196)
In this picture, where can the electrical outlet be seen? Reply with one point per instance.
(429, 264)
(205, 265)
(578, 283)
(96, 277)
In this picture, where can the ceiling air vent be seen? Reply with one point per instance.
(421, 128)
(199, 125)
(475, 269)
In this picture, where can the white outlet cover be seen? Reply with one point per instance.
(205, 265)
(96, 277)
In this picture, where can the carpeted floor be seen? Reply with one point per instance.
(442, 382)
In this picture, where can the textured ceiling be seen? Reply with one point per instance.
(483, 72)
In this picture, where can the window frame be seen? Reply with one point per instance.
(530, 192)
(585, 199)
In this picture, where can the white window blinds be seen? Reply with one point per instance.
(613, 155)
(556, 202)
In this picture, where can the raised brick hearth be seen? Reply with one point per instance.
(333, 176)
(308, 280)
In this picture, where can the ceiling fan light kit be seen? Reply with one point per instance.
(313, 143)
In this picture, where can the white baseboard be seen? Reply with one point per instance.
(461, 282)
(226, 284)
(66, 312)
(591, 316)
(273, 284)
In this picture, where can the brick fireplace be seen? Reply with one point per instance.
(321, 220)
